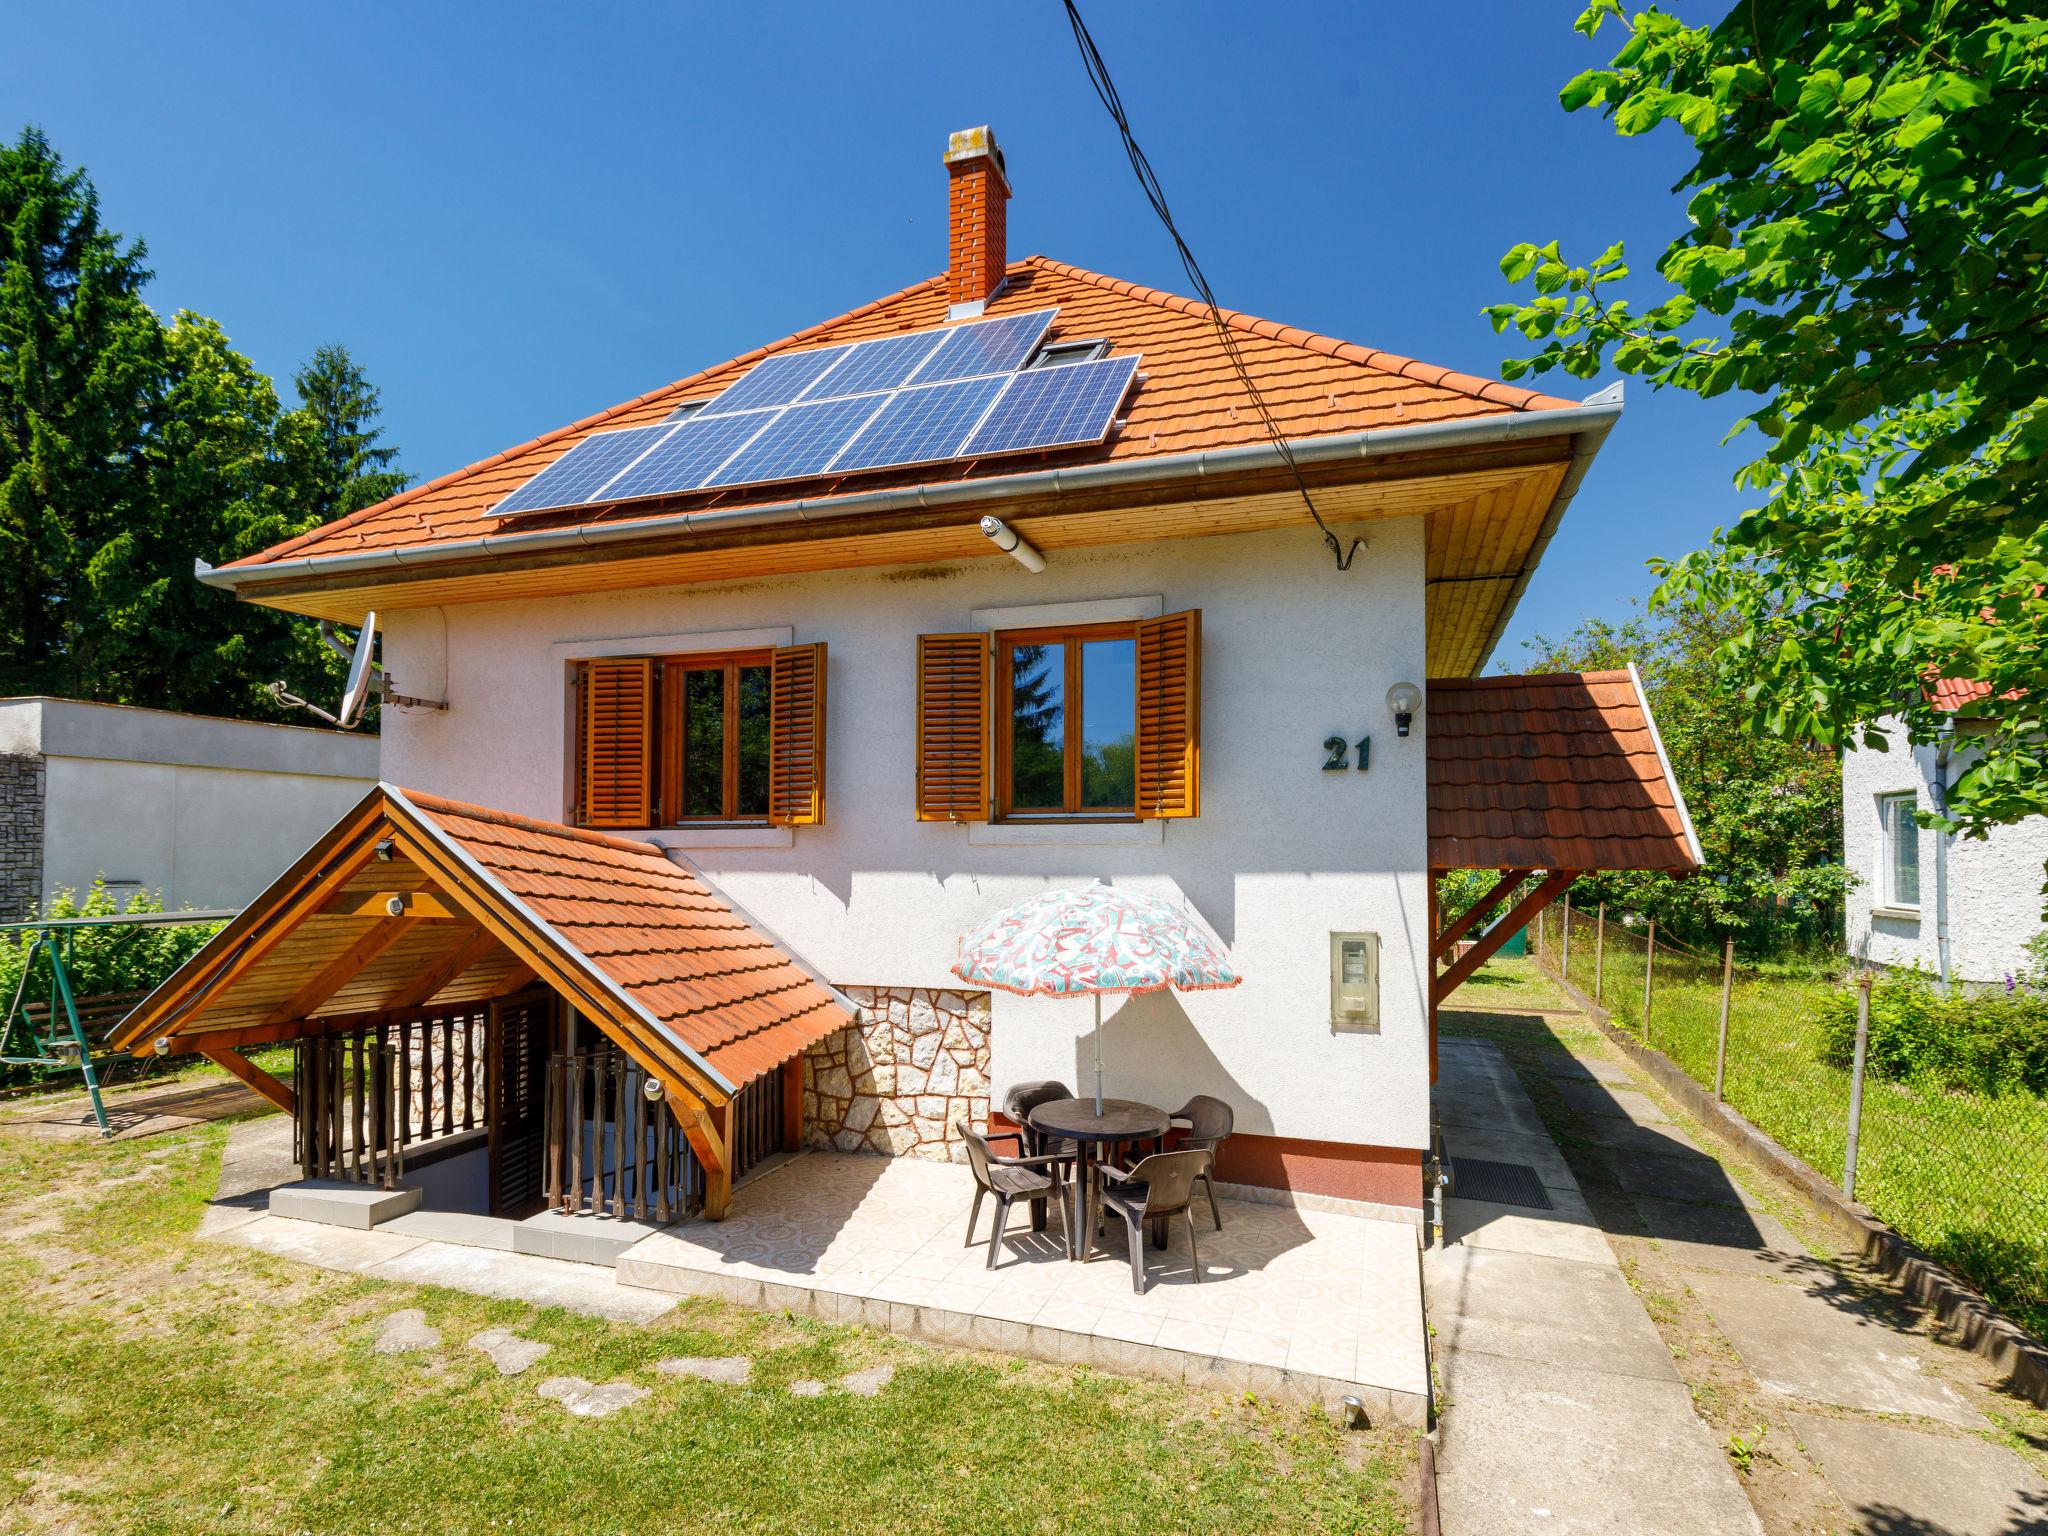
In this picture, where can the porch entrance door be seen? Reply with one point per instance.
(520, 1039)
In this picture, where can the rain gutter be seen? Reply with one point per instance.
(1587, 425)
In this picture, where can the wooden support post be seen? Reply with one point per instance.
(231, 1060)
(793, 1104)
(1434, 917)
(711, 1137)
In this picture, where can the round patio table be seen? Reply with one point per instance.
(1121, 1120)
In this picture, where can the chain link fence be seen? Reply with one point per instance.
(1960, 1170)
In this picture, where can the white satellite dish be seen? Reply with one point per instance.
(362, 675)
(362, 669)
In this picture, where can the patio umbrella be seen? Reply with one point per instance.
(1090, 941)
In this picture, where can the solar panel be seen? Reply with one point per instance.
(1054, 407)
(986, 346)
(689, 458)
(919, 424)
(577, 476)
(776, 381)
(800, 442)
(882, 363)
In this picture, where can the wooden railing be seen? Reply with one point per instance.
(756, 1122)
(373, 1095)
(611, 1151)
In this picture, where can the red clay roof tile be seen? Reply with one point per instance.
(1552, 771)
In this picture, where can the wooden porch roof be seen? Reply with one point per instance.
(414, 901)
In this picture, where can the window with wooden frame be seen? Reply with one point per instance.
(724, 738)
(1092, 722)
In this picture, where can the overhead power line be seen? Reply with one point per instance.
(1148, 182)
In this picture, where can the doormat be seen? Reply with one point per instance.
(1499, 1183)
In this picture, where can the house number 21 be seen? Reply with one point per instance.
(1337, 749)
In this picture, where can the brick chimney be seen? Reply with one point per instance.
(975, 246)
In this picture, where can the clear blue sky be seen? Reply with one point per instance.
(514, 215)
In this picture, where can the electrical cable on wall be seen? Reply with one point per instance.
(1148, 182)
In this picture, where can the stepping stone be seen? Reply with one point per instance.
(868, 1383)
(588, 1401)
(807, 1388)
(407, 1332)
(731, 1370)
(509, 1353)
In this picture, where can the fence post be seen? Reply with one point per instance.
(1649, 965)
(1599, 947)
(1564, 963)
(1721, 1041)
(1856, 1084)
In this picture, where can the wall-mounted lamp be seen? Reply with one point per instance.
(384, 850)
(653, 1089)
(1405, 700)
(1011, 543)
(161, 1045)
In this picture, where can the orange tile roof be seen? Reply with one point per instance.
(656, 929)
(1559, 771)
(1189, 400)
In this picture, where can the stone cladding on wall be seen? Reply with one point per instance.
(22, 788)
(896, 1082)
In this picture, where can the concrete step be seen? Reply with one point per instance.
(338, 1204)
(582, 1239)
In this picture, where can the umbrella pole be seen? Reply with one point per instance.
(1098, 1053)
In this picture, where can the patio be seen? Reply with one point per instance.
(1302, 1304)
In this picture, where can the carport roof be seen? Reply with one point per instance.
(1556, 771)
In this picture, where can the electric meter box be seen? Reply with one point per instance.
(1355, 981)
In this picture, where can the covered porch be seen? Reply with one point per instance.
(500, 1017)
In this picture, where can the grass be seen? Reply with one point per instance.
(150, 1383)
(1964, 1175)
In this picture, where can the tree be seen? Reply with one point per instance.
(1863, 259)
(1768, 810)
(80, 356)
(130, 449)
(351, 468)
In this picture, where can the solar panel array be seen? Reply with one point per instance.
(921, 398)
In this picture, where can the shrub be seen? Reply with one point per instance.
(1981, 1042)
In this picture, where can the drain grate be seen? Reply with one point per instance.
(1501, 1183)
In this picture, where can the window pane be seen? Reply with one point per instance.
(753, 787)
(704, 742)
(1109, 724)
(1905, 850)
(1038, 686)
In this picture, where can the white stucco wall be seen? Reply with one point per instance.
(1282, 854)
(204, 811)
(1991, 890)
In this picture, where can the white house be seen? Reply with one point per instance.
(1079, 621)
(1960, 908)
(200, 811)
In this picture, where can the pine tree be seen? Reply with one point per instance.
(80, 362)
(351, 468)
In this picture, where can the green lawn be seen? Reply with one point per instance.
(1964, 1175)
(152, 1383)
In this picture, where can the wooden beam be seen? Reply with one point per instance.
(518, 979)
(425, 904)
(710, 1134)
(469, 949)
(235, 1062)
(1483, 949)
(1472, 915)
(245, 950)
(340, 971)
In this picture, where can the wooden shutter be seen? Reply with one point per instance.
(796, 736)
(616, 753)
(952, 727)
(1170, 716)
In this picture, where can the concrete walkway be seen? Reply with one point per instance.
(1566, 1396)
(1562, 1409)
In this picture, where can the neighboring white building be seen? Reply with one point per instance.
(201, 811)
(1918, 891)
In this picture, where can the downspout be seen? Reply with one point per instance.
(1941, 841)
